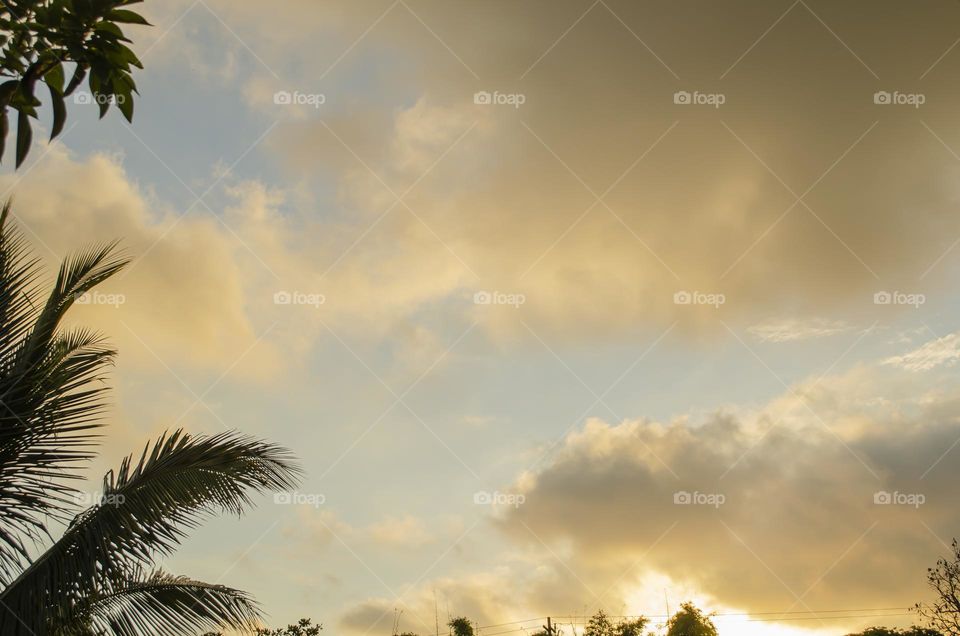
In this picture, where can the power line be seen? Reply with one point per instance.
(834, 611)
(508, 631)
(529, 620)
(833, 618)
(577, 617)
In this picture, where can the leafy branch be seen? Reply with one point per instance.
(39, 37)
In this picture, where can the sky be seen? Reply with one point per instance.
(562, 304)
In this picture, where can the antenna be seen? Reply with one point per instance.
(396, 620)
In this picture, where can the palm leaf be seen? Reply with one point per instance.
(18, 290)
(47, 405)
(51, 402)
(35, 453)
(150, 506)
(78, 274)
(160, 605)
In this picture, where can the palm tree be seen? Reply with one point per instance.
(98, 577)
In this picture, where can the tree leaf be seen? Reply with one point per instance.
(129, 56)
(59, 113)
(4, 129)
(109, 28)
(103, 101)
(78, 74)
(127, 17)
(54, 78)
(7, 89)
(24, 136)
(122, 90)
(125, 104)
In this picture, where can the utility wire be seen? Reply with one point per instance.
(815, 618)
(579, 617)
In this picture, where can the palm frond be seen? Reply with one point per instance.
(52, 435)
(51, 403)
(78, 274)
(160, 605)
(148, 507)
(48, 400)
(19, 292)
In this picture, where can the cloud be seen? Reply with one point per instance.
(943, 351)
(786, 497)
(180, 301)
(488, 597)
(201, 293)
(789, 329)
(597, 200)
(513, 205)
(406, 531)
(319, 526)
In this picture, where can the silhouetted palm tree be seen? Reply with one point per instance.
(97, 578)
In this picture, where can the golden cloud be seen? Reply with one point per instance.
(588, 186)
